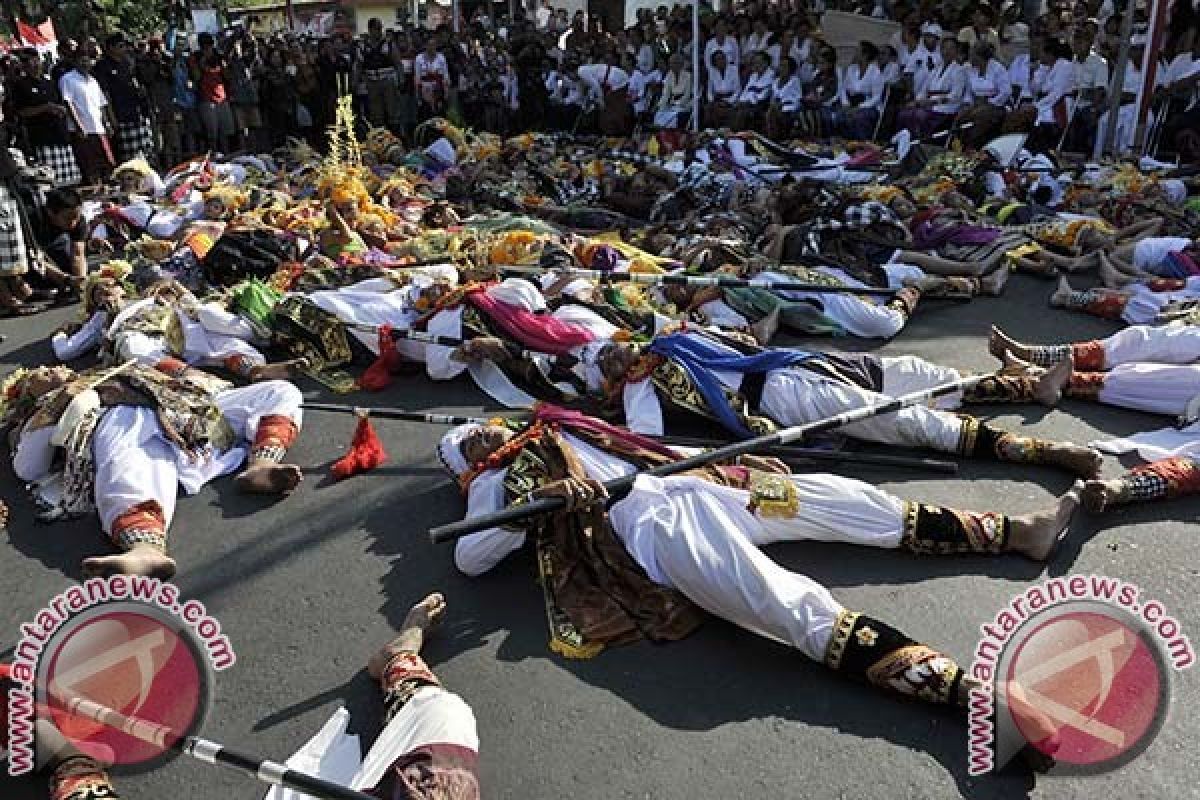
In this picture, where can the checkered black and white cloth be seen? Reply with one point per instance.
(60, 158)
(14, 256)
(135, 139)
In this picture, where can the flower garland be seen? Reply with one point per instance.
(505, 454)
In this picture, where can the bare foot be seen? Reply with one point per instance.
(279, 371)
(267, 477)
(141, 560)
(1049, 388)
(420, 620)
(993, 283)
(1001, 344)
(1036, 535)
(1110, 276)
(1061, 294)
(1075, 458)
(1096, 495)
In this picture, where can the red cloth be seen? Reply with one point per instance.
(574, 420)
(379, 375)
(366, 452)
(542, 333)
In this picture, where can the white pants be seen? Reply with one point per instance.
(135, 463)
(1154, 344)
(1144, 305)
(798, 396)
(1155, 388)
(432, 716)
(201, 348)
(706, 544)
(857, 315)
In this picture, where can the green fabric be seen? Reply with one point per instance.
(256, 301)
(798, 315)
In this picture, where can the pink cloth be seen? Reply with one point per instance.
(539, 332)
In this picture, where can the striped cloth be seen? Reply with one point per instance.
(14, 255)
(135, 139)
(60, 158)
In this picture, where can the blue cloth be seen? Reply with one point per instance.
(701, 357)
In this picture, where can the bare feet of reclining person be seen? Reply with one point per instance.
(421, 619)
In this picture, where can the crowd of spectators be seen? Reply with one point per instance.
(976, 68)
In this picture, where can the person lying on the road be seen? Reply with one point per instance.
(130, 436)
(751, 390)
(676, 547)
(167, 322)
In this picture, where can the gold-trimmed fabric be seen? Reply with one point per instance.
(846, 621)
(968, 435)
(934, 530)
(773, 495)
(867, 648)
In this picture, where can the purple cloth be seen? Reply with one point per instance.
(930, 235)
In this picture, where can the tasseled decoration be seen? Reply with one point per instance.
(366, 451)
(379, 375)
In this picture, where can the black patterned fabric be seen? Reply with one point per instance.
(870, 650)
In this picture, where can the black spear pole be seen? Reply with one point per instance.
(209, 752)
(722, 281)
(545, 505)
(794, 453)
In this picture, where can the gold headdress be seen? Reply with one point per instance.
(11, 391)
(230, 197)
(113, 272)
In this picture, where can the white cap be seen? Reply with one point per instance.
(450, 449)
(931, 29)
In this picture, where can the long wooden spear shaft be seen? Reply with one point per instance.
(209, 752)
(786, 452)
(546, 505)
(724, 282)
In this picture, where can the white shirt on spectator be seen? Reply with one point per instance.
(723, 86)
(992, 85)
(639, 86)
(543, 17)
(1091, 73)
(868, 83)
(1019, 74)
(756, 43)
(730, 46)
(788, 94)
(758, 87)
(428, 69)
(84, 94)
(948, 85)
(1050, 85)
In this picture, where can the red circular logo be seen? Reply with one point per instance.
(124, 682)
(1096, 685)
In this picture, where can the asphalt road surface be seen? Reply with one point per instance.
(307, 587)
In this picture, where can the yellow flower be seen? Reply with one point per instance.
(866, 636)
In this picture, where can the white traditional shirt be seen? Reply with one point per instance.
(948, 84)
(1091, 73)
(869, 83)
(789, 95)
(431, 71)
(723, 86)
(1050, 85)
(992, 84)
(639, 85)
(730, 46)
(758, 87)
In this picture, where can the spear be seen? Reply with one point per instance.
(784, 452)
(207, 751)
(546, 505)
(565, 360)
(723, 281)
